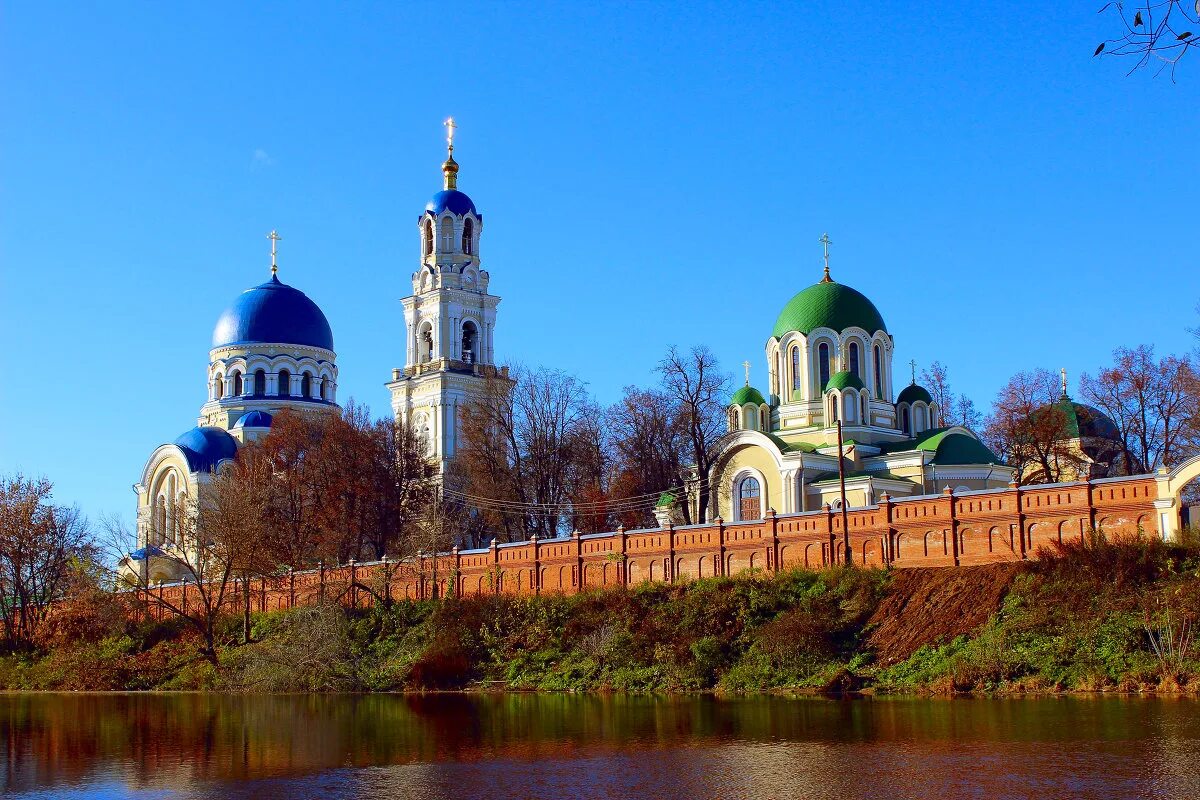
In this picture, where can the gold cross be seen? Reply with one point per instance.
(450, 126)
(825, 242)
(746, 364)
(274, 237)
(913, 364)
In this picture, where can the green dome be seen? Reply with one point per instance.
(828, 305)
(913, 393)
(747, 394)
(843, 380)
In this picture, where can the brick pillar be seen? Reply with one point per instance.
(889, 544)
(184, 597)
(773, 554)
(353, 586)
(536, 583)
(670, 552)
(723, 568)
(948, 494)
(495, 566)
(1091, 501)
(623, 569)
(457, 569)
(829, 528)
(1016, 487)
(578, 561)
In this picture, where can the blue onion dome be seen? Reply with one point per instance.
(913, 394)
(454, 201)
(828, 304)
(255, 419)
(273, 313)
(844, 380)
(747, 394)
(206, 447)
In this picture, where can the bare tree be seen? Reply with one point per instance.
(696, 385)
(527, 453)
(648, 445)
(1155, 404)
(40, 546)
(1159, 31)
(1031, 425)
(954, 409)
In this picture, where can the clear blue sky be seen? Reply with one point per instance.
(648, 174)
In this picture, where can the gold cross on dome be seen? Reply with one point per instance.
(746, 364)
(450, 126)
(274, 237)
(825, 242)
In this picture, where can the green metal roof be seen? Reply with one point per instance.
(798, 447)
(665, 500)
(949, 446)
(844, 379)
(912, 393)
(828, 305)
(747, 394)
(832, 477)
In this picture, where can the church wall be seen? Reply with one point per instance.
(756, 461)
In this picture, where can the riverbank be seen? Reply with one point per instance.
(1095, 617)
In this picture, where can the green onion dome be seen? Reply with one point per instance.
(913, 393)
(844, 380)
(747, 394)
(828, 304)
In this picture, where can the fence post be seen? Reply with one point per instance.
(495, 566)
(829, 528)
(889, 545)
(579, 575)
(773, 558)
(948, 493)
(670, 552)
(624, 566)
(457, 571)
(536, 583)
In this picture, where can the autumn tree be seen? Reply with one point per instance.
(648, 449)
(955, 409)
(41, 548)
(696, 386)
(528, 452)
(1032, 426)
(1154, 402)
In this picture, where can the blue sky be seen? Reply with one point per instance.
(649, 175)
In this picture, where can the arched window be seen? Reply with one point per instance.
(260, 383)
(306, 385)
(220, 386)
(285, 383)
(764, 421)
(823, 364)
(158, 528)
(795, 368)
(833, 408)
(733, 418)
(919, 418)
(749, 419)
(180, 510)
(425, 343)
(854, 359)
(878, 374)
(468, 236)
(749, 498)
(905, 423)
(848, 401)
(427, 238)
(469, 337)
(325, 388)
(237, 384)
(447, 235)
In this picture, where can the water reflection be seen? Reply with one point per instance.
(453, 746)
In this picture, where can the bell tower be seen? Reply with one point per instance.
(449, 320)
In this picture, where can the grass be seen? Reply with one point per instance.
(1097, 616)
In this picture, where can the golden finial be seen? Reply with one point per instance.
(826, 241)
(450, 167)
(274, 237)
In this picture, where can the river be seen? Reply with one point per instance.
(558, 746)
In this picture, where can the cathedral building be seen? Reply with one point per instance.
(272, 349)
(829, 361)
(450, 322)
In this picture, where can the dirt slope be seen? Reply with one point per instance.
(933, 605)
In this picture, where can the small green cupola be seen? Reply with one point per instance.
(844, 380)
(747, 394)
(914, 394)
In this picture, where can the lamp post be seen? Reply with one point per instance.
(842, 484)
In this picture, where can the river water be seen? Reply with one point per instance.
(557, 746)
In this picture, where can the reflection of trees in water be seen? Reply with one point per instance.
(173, 740)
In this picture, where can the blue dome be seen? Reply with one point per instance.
(206, 447)
(255, 419)
(273, 313)
(452, 199)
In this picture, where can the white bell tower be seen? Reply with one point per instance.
(449, 320)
